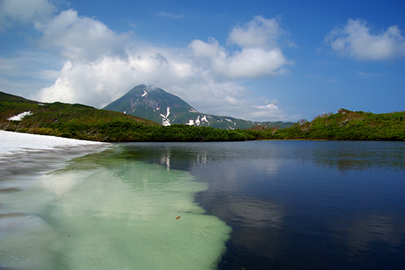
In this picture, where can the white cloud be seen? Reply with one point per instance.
(210, 96)
(259, 32)
(254, 62)
(24, 11)
(99, 83)
(356, 40)
(170, 15)
(367, 75)
(247, 63)
(99, 65)
(80, 38)
(267, 107)
(212, 49)
(95, 76)
(267, 112)
(259, 54)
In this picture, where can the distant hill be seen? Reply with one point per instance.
(12, 98)
(157, 105)
(57, 112)
(59, 119)
(343, 125)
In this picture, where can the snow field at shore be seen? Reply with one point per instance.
(14, 142)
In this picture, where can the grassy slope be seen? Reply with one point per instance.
(84, 122)
(344, 125)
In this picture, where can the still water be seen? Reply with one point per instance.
(234, 205)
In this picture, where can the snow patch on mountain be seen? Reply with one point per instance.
(144, 94)
(198, 121)
(19, 117)
(165, 118)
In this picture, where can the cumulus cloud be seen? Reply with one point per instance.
(356, 40)
(100, 65)
(98, 74)
(260, 32)
(80, 38)
(99, 83)
(259, 53)
(88, 84)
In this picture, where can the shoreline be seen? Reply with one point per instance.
(14, 142)
(23, 153)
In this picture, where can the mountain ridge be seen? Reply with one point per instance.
(157, 105)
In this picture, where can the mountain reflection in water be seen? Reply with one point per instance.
(299, 204)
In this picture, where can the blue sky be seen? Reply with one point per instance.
(256, 60)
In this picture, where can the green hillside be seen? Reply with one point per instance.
(84, 122)
(344, 125)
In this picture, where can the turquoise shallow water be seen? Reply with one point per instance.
(108, 211)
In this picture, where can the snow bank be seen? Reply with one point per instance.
(14, 142)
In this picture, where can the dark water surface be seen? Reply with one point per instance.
(299, 204)
(234, 205)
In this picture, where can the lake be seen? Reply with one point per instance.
(231, 205)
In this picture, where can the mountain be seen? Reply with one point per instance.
(87, 123)
(157, 105)
(153, 104)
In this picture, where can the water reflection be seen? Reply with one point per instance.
(234, 178)
(346, 156)
(366, 230)
(255, 222)
(339, 155)
(299, 205)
